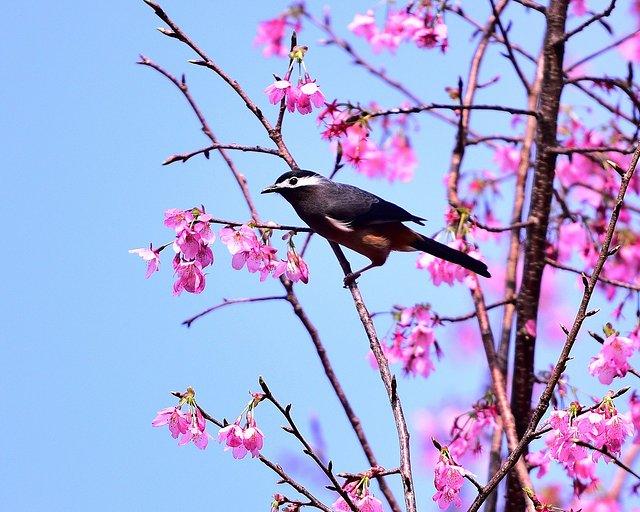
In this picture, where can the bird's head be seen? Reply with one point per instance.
(293, 183)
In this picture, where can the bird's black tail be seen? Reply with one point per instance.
(453, 255)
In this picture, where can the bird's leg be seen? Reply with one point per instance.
(352, 276)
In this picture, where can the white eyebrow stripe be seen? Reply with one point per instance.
(339, 224)
(302, 181)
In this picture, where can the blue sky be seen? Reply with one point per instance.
(90, 349)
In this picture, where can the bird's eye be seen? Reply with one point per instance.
(293, 181)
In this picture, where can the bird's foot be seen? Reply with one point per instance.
(349, 279)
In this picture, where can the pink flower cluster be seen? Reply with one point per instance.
(603, 428)
(247, 249)
(412, 340)
(634, 407)
(247, 439)
(419, 26)
(361, 497)
(613, 358)
(448, 480)
(302, 98)
(393, 158)
(442, 271)
(468, 429)
(193, 254)
(271, 33)
(187, 426)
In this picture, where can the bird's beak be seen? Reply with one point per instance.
(269, 189)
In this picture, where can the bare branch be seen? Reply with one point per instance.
(602, 279)
(593, 19)
(229, 302)
(183, 157)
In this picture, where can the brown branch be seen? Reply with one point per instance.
(183, 157)
(177, 33)
(293, 429)
(313, 501)
(532, 5)
(339, 391)
(603, 149)
(229, 302)
(618, 481)
(500, 229)
(597, 53)
(602, 279)
(182, 86)
(559, 368)
(593, 19)
(253, 224)
(435, 106)
(388, 380)
(472, 314)
(613, 458)
(510, 53)
(539, 210)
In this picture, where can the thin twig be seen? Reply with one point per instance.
(183, 157)
(613, 458)
(293, 429)
(602, 279)
(472, 314)
(593, 19)
(229, 302)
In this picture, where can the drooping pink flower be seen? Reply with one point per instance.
(277, 90)
(442, 271)
(369, 503)
(151, 256)
(448, 480)
(612, 359)
(253, 440)
(190, 276)
(233, 438)
(196, 433)
(177, 219)
(296, 268)
(177, 420)
(601, 504)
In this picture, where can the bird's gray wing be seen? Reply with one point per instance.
(356, 208)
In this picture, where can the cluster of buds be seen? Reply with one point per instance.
(301, 97)
(244, 439)
(186, 426)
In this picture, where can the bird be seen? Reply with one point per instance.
(357, 219)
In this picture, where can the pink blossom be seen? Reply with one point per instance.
(430, 37)
(369, 503)
(277, 90)
(612, 359)
(508, 158)
(296, 268)
(634, 406)
(177, 420)
(233, 438)
(271, 34)
(239, 240)
(151, 256)
(364, 25)
(602, 504)
(448, 481)
(572, 237)
(196, 432)
(253, 440)
(442, 271)
(177, 219)
(579, 7)
(540, 460)
(190, 276)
